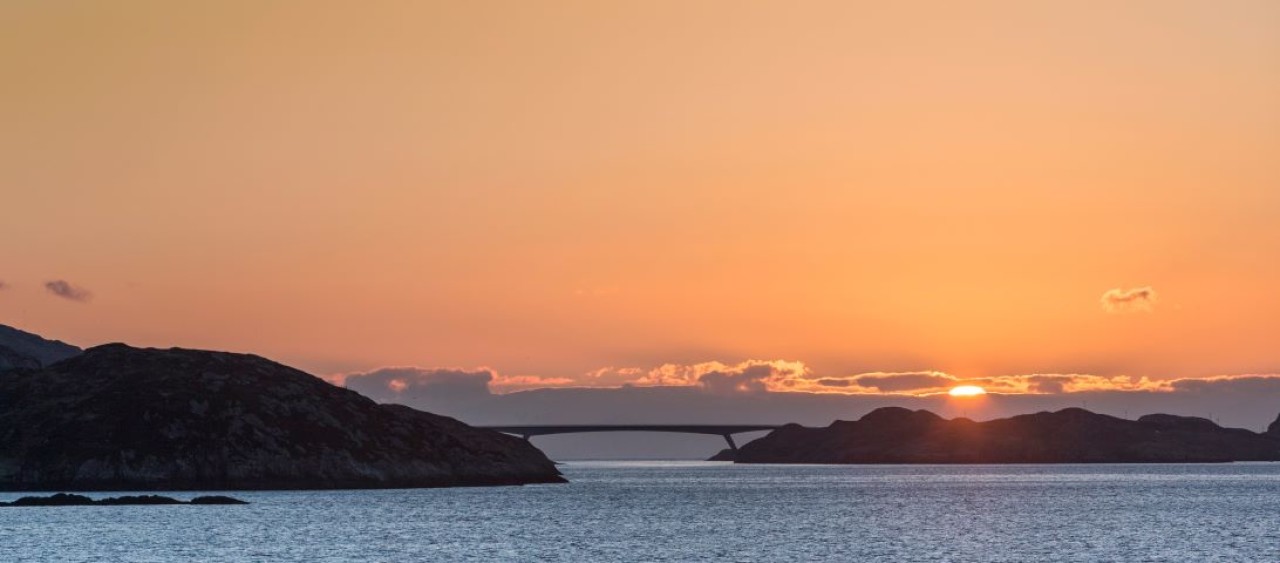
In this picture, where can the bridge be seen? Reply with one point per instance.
(724, 430)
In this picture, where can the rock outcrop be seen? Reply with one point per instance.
(63, 499)
(123, 418)
(20, 349)
(898, 435)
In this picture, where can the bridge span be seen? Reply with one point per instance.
(723, 430)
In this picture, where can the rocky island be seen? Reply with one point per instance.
(63, 499)
(121, 418)
(898, 435)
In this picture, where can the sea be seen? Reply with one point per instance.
(704, 511)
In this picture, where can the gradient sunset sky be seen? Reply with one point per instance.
(589, 193)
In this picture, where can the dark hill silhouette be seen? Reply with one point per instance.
(898, 435)
(21, 349)
(122, 418)
(1273, 430)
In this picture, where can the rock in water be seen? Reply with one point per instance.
(216, 499)
(60, 499)
(63, 499)
(133, 500)
(123, 418)
(898, 435)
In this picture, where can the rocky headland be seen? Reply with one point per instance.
(898, 435)
(121, 418)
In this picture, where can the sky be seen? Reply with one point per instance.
(644, 193)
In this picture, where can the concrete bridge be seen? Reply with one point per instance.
(724, 430)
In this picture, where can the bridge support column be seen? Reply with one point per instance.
(729, 438)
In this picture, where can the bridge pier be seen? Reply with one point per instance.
(729, 438)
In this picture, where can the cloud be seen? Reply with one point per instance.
(716, 377)
(781, 376)
(751, 375)
(899, 382)
(1136, 300)
(507, 383)
(1267, 385)
(612, 376)
(748, 379)
(439, 386)
(397, 384)
(66, 290)
(1048, 383)
(405, 384)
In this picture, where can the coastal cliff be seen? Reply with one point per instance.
(898, 435)
(123, 418)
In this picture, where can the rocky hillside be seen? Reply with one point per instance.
(19, 349)
(122, 418)
(898, 435)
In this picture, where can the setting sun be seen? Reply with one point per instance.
(967, 391)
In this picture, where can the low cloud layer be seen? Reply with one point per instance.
(716, 377)
(904, 382)
(66, 290)
(754, 377)
(1136, 300)
(444, 391)
(416, 385)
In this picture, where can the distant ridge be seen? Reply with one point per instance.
(21, 349)
(898, 435)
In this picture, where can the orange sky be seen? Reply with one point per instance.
(552, 188)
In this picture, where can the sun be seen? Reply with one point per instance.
(967, 391)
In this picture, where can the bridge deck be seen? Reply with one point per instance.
(712, 429)
(724, 430)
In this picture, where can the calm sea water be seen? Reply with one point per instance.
(656, 511)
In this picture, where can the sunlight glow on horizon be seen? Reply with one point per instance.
(966, 391)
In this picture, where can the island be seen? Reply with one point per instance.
(119, 418)
(899, 435)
